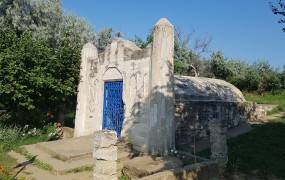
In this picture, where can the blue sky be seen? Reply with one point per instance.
(243, 29)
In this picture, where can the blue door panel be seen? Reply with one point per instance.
(113, 111)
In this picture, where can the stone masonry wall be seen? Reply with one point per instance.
(192, 117)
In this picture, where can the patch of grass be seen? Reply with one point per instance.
(36, 162)
(7, 160)
(260, 152)
(80, 169)
(124, 178)
(276, 110)
(268, 98)
(11, 138)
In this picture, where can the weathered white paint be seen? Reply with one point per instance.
(161, 93)
(84, 123)
(147, 76)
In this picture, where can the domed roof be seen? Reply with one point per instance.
(201, 88)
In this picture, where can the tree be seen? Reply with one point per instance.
(219, 66)
(24, 72)
(45, 19)
(187, 61)
(269, 77)
(35, 25)
(278, 9)
(143, 43)
(104, 38)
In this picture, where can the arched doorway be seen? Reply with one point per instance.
(113, 106)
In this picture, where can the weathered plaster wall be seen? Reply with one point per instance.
(121, 60)
(147, 76)
(86, 102)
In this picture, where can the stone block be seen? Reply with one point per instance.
(146, 165)
(104, 177)
(105, 167)
(108, 154)
(104, 139)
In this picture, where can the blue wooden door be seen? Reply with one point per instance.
(113, 111)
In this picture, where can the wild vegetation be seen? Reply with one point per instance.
(39, 71)
(12, 137)
(39, 58)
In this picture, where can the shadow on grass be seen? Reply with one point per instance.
(260, 152)
(23, 165)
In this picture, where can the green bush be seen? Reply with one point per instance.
(10, 134)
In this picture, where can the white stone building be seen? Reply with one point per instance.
(130, 90)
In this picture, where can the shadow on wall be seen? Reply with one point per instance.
(153, 127)
(192, 118)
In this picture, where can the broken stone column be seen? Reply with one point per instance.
(218, 140)
(105, 155)
(161, 112)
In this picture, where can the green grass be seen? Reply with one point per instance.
(261, 151)
(268, 98)
(124, 177)
(80, 169)
(8, 162)
(36, 162)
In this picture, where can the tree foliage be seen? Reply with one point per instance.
(187, 61)
(35, 75)
(40, 55)
(45, 19)
(219, 66)
(278, 8)
(104, 37)
(259, 76)
(24, 70)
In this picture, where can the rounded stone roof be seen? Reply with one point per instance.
(201, 88)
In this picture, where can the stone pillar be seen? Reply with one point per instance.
(106, 155)
(161, 112)
(218, 140)
(84, 123)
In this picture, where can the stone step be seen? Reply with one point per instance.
(58, 166)
(141, 166)
(69, 149)
(33, 172)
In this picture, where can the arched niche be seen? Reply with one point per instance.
(112, 74)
